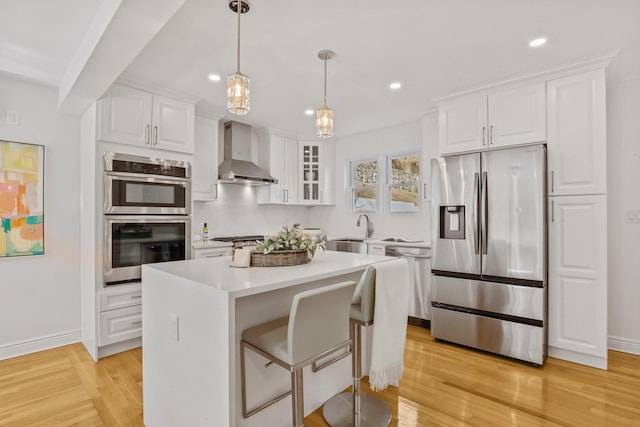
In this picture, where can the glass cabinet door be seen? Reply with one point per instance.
(310, 168)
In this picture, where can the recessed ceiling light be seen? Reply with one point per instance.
(309, 112)
(214, 77)
(395, 85)
(537, 42)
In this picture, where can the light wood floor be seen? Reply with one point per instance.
(442, 385)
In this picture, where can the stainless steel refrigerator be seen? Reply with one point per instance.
(489, 251)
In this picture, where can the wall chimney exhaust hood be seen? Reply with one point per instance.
(237, 167)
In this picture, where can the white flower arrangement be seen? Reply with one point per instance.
(292, 239)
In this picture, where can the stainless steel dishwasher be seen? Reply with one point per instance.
(420, 281)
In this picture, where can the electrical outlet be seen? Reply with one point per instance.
(633, 215)
(12, 118)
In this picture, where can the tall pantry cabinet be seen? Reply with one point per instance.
(577, 203)
(566, 108)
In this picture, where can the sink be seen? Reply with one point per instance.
(347, 245)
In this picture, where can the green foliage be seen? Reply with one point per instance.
(291, 239)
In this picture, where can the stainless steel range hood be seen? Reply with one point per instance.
(237, 167)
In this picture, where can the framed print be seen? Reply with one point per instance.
(21, 199)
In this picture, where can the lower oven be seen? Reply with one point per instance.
(131, 241)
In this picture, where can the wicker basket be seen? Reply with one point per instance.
(279, 258)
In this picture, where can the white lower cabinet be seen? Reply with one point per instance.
(120, 316)
(375, 249)
(199, 253)
(113, 300)
(578, 279)
(120, 325)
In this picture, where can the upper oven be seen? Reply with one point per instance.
(135, 185)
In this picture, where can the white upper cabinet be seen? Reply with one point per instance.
(576, 113)
(279, 156)
(498, 119)
(311, 174)
(463, 125)
(135, 117)
(305, 170)
(204, 174)
(316, 172)
(429, 151)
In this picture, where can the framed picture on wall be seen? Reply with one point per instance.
(21, 199)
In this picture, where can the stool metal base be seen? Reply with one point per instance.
(338, 411)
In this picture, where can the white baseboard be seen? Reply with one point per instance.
(580, 358)
(39, 344)
(119, 347)
(624, 345)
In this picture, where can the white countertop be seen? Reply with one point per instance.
(425, 245)
(238, 282)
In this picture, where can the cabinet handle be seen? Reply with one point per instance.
(155, 135)
(147, 135)
(320, 196)
(213, 255)
(136, 296)
(137, 322)
(287, 193)
(484, 130)
(552, 211)
(282, 199)
(491, 135)
(424, 191)
(552, 181)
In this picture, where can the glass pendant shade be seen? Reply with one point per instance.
(238, 94)
(324, 122)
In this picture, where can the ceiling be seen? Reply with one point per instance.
(433, 47)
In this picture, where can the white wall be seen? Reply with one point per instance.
(339, 221)
(236, 213)
(40, 295)
(623, 166)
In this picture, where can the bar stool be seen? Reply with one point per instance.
(354, 408)
(316, 327)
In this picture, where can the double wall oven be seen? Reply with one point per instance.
(147, 207)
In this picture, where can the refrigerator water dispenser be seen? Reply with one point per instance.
(452, 221)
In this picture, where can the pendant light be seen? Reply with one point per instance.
(238, 95)
(324, 114)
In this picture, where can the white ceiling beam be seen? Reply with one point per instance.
(119, 32)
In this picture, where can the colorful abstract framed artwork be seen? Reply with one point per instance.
(21, 199)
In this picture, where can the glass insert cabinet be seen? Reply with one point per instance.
(311, 172)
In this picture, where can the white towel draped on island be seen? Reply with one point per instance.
(389, 323)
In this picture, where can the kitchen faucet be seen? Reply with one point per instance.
(369, 229)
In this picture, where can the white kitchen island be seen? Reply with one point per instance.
(193, 315)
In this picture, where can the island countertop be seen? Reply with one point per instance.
(193, 316)
(239, 282)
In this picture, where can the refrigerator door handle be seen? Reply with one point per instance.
(485, 211)
(476, 201)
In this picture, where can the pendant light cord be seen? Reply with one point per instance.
(239, 8)
(325, 80)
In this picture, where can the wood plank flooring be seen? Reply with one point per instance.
(443, 385)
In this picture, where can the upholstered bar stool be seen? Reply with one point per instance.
(316, 327)
(354, 408)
